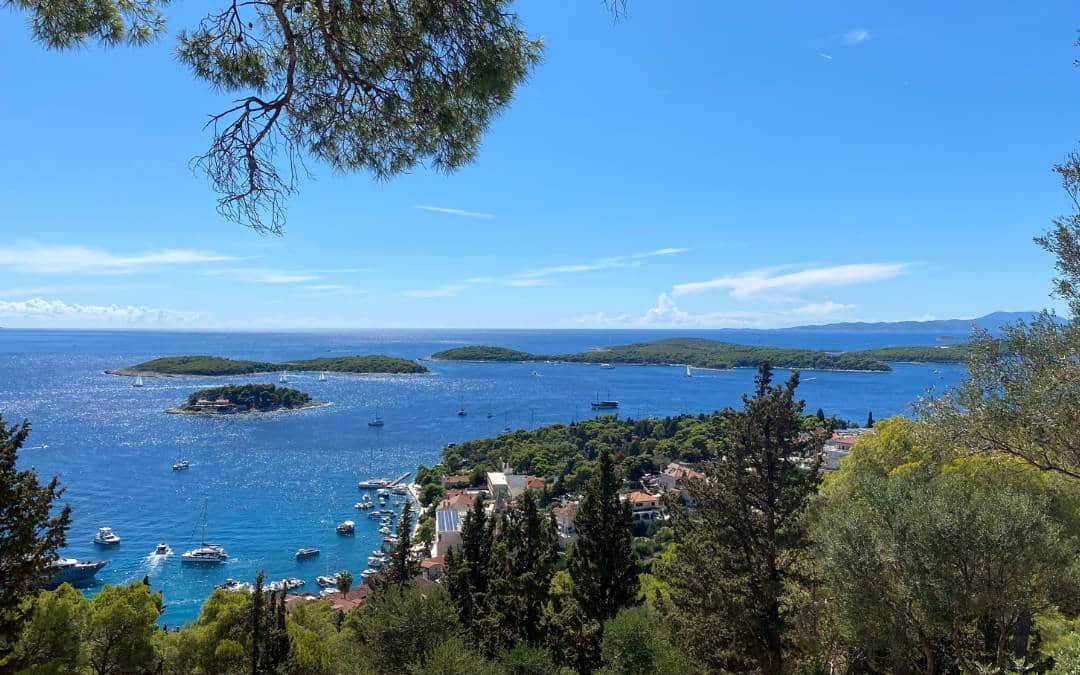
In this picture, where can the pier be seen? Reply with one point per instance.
(397, 480)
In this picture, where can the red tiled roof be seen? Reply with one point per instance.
(459, 499)
(639, 497)
(569, 511)
(534, 483)
(432, 562)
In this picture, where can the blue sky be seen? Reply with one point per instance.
(697, 164)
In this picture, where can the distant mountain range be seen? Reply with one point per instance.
(954, 327)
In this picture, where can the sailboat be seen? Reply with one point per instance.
(688, 373)
(322, 376)
(283, 377)
(138, 381)
(206, 553)
(375, 421)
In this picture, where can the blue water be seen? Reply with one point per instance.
(277, 482)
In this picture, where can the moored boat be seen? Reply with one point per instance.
(72, 571)
(373, 483)
(106, 537)
(306, 553)
(207, 554)
(604, 405)
(346, 527)
(181, 465)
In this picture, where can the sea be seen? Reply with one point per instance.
(265, 485)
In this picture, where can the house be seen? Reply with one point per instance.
(456, 501)
(459, 481)
(447, 531)
(646, 506)
(838, 446)
(505, 487)
(675, 476)
(433, 568)
(564, 523)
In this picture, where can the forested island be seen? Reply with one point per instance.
(246, 398)
(217, 365)
(704, 353)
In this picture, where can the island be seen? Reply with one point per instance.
(705, 353)
(217, 365)
(246, 398)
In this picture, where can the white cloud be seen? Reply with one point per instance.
(39, 311)
(462, 213)
(540, 277)
(81, 259)
(333, 289)
(822, 308)
(764, 281)
(260, 275)
(827, 57)
(856, 36)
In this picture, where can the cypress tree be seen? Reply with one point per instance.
(821, 416)
(870, 420)
(30, 534)
(468, 571)
(256, 622)
(522, 563)
(402, 568)
(601, 561)
(742, 544)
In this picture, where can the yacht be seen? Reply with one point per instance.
(369, 572)
(373, 483)
(181, 465)
(364, 504)
(606, 366)
(322, 377)
(376, 559)
(327, 582)
(306, 553)
(234, 586)
(72, 571)
(347, 527)
(106, 537)
(292, 583)
(163, 549)
(209, 554)
(138, 381)
(604, 405)
(374, 515)
(400, 490)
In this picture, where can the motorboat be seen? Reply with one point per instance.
(72, 571)
(400, 490)
(373, 483)
(306, 553)
(606, 366)
(163, 549)
(106, 537)
(461, 412)
(235, 586)
(346, 527)
(376, 559)
(292, 583)
(375, 422)
(375, 515)
(364, 504)
(384, 530)
(369, 572)
(327, 582)
(207, 554)
(181, 465)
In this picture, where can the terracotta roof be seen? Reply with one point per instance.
(432, 562)
(569, 511)
(534, 483)
(639, 497)
(455, 480)
(460, 499)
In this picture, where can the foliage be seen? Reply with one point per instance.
(216, 365)
(31, 531)
(401, 625)
(636, 642)
(601, 561)
(261, 397)
(698, 352)
(50, 637)
(523, 558)
(740, 546)
(119, 629)
(916, 354)
(468, 570)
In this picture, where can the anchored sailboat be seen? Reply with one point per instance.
(207, 553)
(138, 381)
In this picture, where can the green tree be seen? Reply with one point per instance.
(821, 416)
(468, 570)
(51, 637)
(939, 566)
(601, 561)
(403, 566)
(400, 625)
(344, 582)
(870, 420)
(30, 532)
(120, 629)
(523, 561)
(359, 84)
(740, 546)
(637, 643)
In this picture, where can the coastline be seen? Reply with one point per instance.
(619, 364)
(182, 410)
(130, 372)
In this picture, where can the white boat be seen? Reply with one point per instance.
(346, 527)
(688, 373)
(327, 582)
(376, 559)
(283, 377)
(292, 582)
(373, 483)
(364, 504)
(181, 465)
(106, 537)
(384, 530)
(606, 366)
(234, 586)
(163, 549)
(369, 572)
(307, 553)
(138, 381)
(400, 490)
(322, 377)
(72, 571)
(207, 554)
